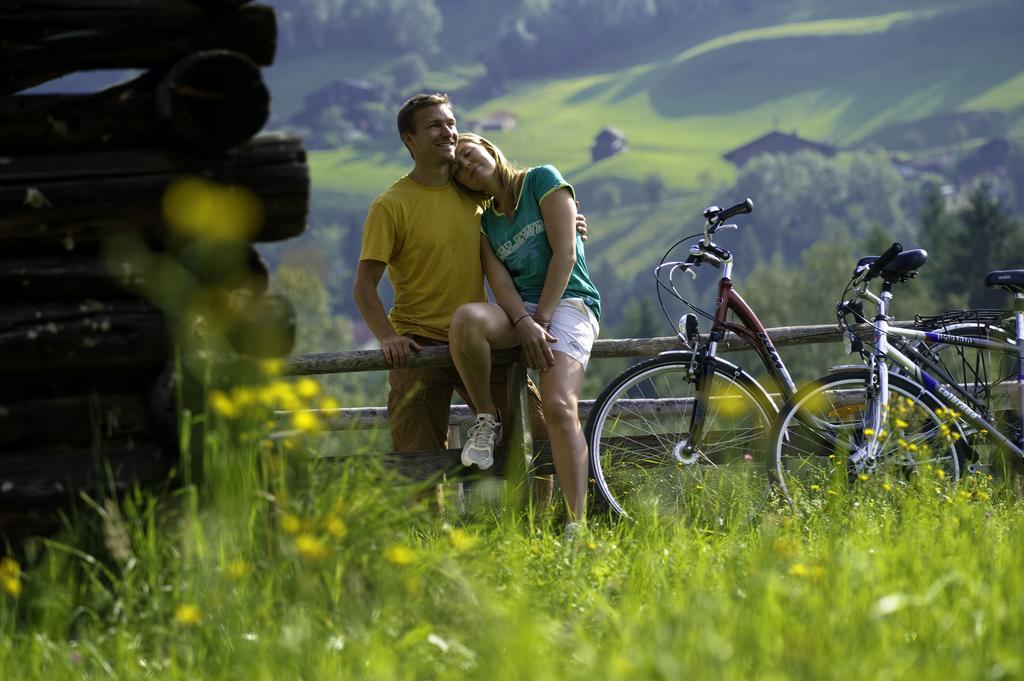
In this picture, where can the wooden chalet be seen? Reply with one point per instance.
(609, 142)
(775, 143)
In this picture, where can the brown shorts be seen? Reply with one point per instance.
(419, 401)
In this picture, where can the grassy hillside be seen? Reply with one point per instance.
(834, 79)
(827, 79)
(854, 74)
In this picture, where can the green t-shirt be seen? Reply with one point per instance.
(522, 245)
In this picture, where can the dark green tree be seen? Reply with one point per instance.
(989, 238)
(940, 234)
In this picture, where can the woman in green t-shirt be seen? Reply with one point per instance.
(546, 304)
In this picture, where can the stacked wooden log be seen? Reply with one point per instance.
(87, 316)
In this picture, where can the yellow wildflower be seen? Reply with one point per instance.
(9, 567)
(307, 421)
(815, 488)
(399, 555)
(12, 585)
(187, 614)
(887, 487)
(10, 577)
(862, 476)
(461, 540)
(310, 547)
(244, 396)
(290, 523)
(272, 367)
(869, 431)
(221, 404)
(900, 423)
(335, 526)
(308, 388)
(798, 570)
(196, 207)
(329, 403)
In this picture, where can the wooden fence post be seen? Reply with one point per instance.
(519, 454)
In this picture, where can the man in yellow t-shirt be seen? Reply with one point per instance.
(426, 236)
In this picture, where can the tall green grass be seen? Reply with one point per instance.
(283, 566)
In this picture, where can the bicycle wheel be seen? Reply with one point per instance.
(641, 457)
(821, 433)
(989, 376)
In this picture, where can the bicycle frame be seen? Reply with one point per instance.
(753, 331)
(947, 390)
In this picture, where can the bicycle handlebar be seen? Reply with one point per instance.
(741, 208)
(716, 216)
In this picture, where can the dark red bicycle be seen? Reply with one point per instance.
(686, 433)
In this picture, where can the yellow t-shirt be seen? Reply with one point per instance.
(429, 237)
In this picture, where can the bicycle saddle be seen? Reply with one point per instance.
(1012, 280)
(904, 263)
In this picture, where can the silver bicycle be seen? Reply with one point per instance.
(945, 394)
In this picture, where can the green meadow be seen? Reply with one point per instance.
(283, 566)
(828, 79)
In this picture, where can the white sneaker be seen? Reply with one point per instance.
(481, 438)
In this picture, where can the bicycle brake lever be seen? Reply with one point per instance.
(727, 226)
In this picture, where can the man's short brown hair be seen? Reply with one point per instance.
(414, 104)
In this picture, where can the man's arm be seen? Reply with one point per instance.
(396, 348)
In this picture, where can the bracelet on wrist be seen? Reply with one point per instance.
(542, 322)
(521, 318)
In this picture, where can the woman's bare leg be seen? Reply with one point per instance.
(476, 329)
(560, 394)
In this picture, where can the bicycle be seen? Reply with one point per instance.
(931, 395)
(688, 429)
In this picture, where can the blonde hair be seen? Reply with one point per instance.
(510, 178)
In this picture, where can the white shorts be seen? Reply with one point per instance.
(575, 327)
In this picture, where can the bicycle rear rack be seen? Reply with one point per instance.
(991, 317)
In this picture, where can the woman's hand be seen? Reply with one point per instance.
(535, 342)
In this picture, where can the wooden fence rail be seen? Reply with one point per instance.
(373, 360)
(530, 457)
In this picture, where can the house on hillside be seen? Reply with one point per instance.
(775, 143)
(990, 159)
(502, 121)
(361, 102)
(608, 142)
(913, 168)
